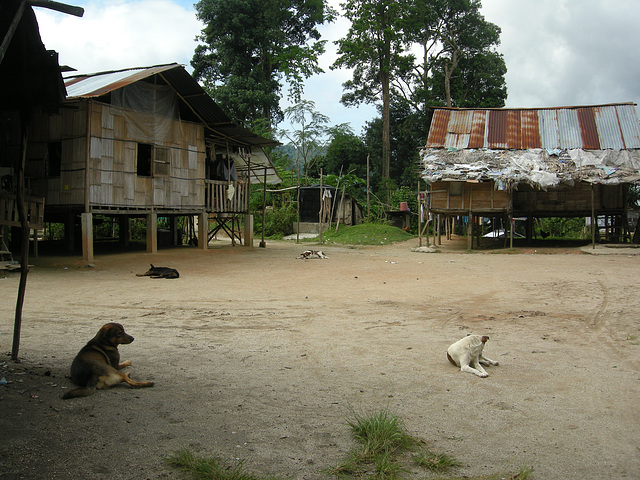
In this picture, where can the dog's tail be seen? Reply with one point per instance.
(79, 392)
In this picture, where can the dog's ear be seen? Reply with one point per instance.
(484, 339)
(152, 265)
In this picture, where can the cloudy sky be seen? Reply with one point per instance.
(558, 52)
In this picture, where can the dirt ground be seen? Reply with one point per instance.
(260, 356)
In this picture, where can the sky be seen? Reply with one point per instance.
(558, 52)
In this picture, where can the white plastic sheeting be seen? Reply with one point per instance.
(538, 167)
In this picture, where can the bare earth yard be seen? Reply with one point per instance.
(260, 356)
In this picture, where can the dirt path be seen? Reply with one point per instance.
(260, 356)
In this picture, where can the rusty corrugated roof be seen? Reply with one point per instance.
(598, 127)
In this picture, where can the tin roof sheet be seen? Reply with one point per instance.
(589, 127)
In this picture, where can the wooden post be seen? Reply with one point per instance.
(203, 230)
(248, 230)
(368, 211)
(24, 257)
(593, 218)
(321, 210)
(152, 233)
(419, 216)
(264, 206)
(86, 220)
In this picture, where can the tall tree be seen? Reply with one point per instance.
(308, 138)
(250, 47)
(464, 33)
(477, 83)
(373, 47)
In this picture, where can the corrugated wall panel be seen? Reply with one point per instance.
(438, 130)
(569, 129)
(609, 134)
(530, 135)
(513, 129)
(478, 129)
(629, 125)
(456, 140)
(460, 121)
(497, 134)
(548, 127)
(588, 129)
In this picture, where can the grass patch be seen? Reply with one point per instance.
(363, 234)
(385, 451)
(435, 462)
(211, 468)
(525, 473)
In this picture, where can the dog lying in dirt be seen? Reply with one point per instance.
(160, 272)
(97, 365)
(467, 354)
(307, 254)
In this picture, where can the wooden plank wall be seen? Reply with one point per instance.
(457, 197)
(569, 199)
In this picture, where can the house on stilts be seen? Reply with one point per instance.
(144, 143)
(532, 163)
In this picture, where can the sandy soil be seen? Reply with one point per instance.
(257, 355)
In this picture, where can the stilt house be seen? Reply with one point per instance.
(144, 142)
(532, 163)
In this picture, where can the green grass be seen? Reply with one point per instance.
(210, 468)
(525, 473)
(363, 234)
(384, 451)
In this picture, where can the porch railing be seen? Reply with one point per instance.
(34, 207)
(226, 197)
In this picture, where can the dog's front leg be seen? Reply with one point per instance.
(126, 363)
(478, 370)
(487, 361)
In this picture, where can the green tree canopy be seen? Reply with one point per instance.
(250, 47)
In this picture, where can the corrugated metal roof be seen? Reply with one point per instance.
(597, 127)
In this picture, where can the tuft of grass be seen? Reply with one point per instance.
(380, 433)
(525, 473)
(209, 468)
(383, 445)
(435, 462)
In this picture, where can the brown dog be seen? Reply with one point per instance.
(97, 365)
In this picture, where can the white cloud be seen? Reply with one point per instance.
(558, 52)
(121, 34)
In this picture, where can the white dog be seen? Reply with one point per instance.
(467, 354)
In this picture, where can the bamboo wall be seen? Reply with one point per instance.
(113, 180)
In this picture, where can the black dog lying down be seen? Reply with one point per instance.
(160, 272)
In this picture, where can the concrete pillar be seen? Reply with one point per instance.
(152, 233)
(86, 220)
(248, 230)
(203, 230)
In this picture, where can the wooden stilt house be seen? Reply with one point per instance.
(144, 142)
(532, 163)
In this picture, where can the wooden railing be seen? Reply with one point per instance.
(34, 207)
(217, 195)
